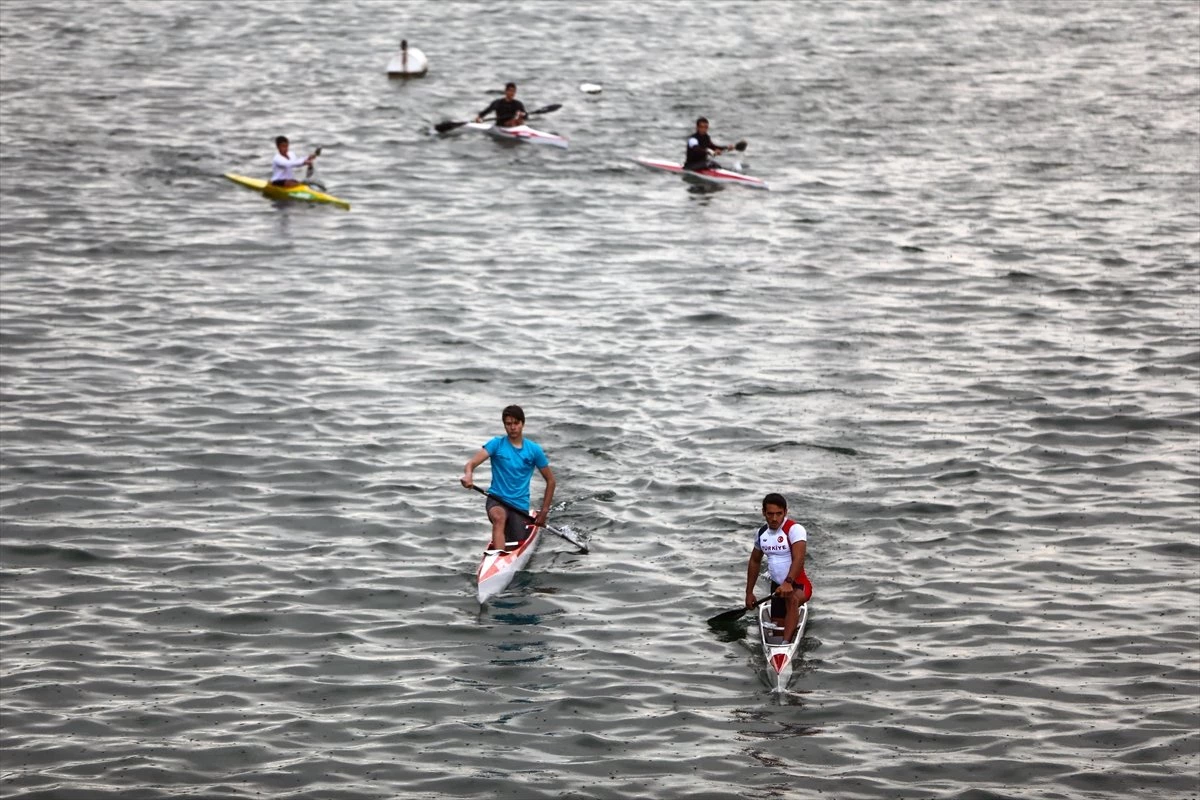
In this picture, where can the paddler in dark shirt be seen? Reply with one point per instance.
(509, 110)
(700, 146)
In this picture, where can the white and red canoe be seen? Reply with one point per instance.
(715, 176)
(518, 133)
(780, 655)
(498, 568)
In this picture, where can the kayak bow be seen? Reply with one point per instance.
(780, 655)
(497, 569)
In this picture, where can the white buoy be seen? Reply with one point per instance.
(408, 63)
(591, 88)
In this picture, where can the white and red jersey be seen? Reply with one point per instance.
(776, 545)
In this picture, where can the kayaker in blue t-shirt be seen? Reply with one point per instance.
(700, 147)
(514, 458)
(509, 110)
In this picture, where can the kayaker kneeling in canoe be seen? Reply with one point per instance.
(509, 110)
(514, 459)
(283, 164)
(700, 147)
(783, 541)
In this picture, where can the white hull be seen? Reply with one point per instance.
(519, 133)
(414, 67)
(496, 572)
(721, 177)
(779, 655)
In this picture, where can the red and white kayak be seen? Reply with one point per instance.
(780, 655)
(519, 133)
(497, 570)
(715, 176)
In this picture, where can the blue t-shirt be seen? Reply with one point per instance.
(512, 468)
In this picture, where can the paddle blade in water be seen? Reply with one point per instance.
(727, 617)
(573, 537)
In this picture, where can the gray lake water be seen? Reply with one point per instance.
(961, 334)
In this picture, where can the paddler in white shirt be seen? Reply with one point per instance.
(783, 541)
(283, 164)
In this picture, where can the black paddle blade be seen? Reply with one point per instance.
(740, 146)
(547, 109)
(448, 125)
(734, 614)
(727, 617)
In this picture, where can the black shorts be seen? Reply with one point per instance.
(516, 526)
(779, 605)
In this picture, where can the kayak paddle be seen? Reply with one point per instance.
(570, 536)
(734, 614)
(308, 173)
(449, 125)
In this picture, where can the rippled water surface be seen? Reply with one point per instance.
(961, 333)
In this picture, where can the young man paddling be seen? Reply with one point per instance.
(514, 458)
(283, 164)
(509, 110)
(783, 541)
(700, 146)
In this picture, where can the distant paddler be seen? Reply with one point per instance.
(700, 147)
(509, 110)
(283, 164)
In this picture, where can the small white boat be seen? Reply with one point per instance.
(497, 570)
(519, 133)
(409, 62)
(712, 176)
(779, 654)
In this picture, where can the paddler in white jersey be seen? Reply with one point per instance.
(514, 458)
(783, 541)
(283, 164)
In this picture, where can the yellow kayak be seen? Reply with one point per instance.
(301, 192)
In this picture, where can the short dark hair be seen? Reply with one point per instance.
(280, 140)
(509, 85)
(702, 119)
(513, 411)
(774, 499)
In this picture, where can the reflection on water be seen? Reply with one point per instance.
(235, 558)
